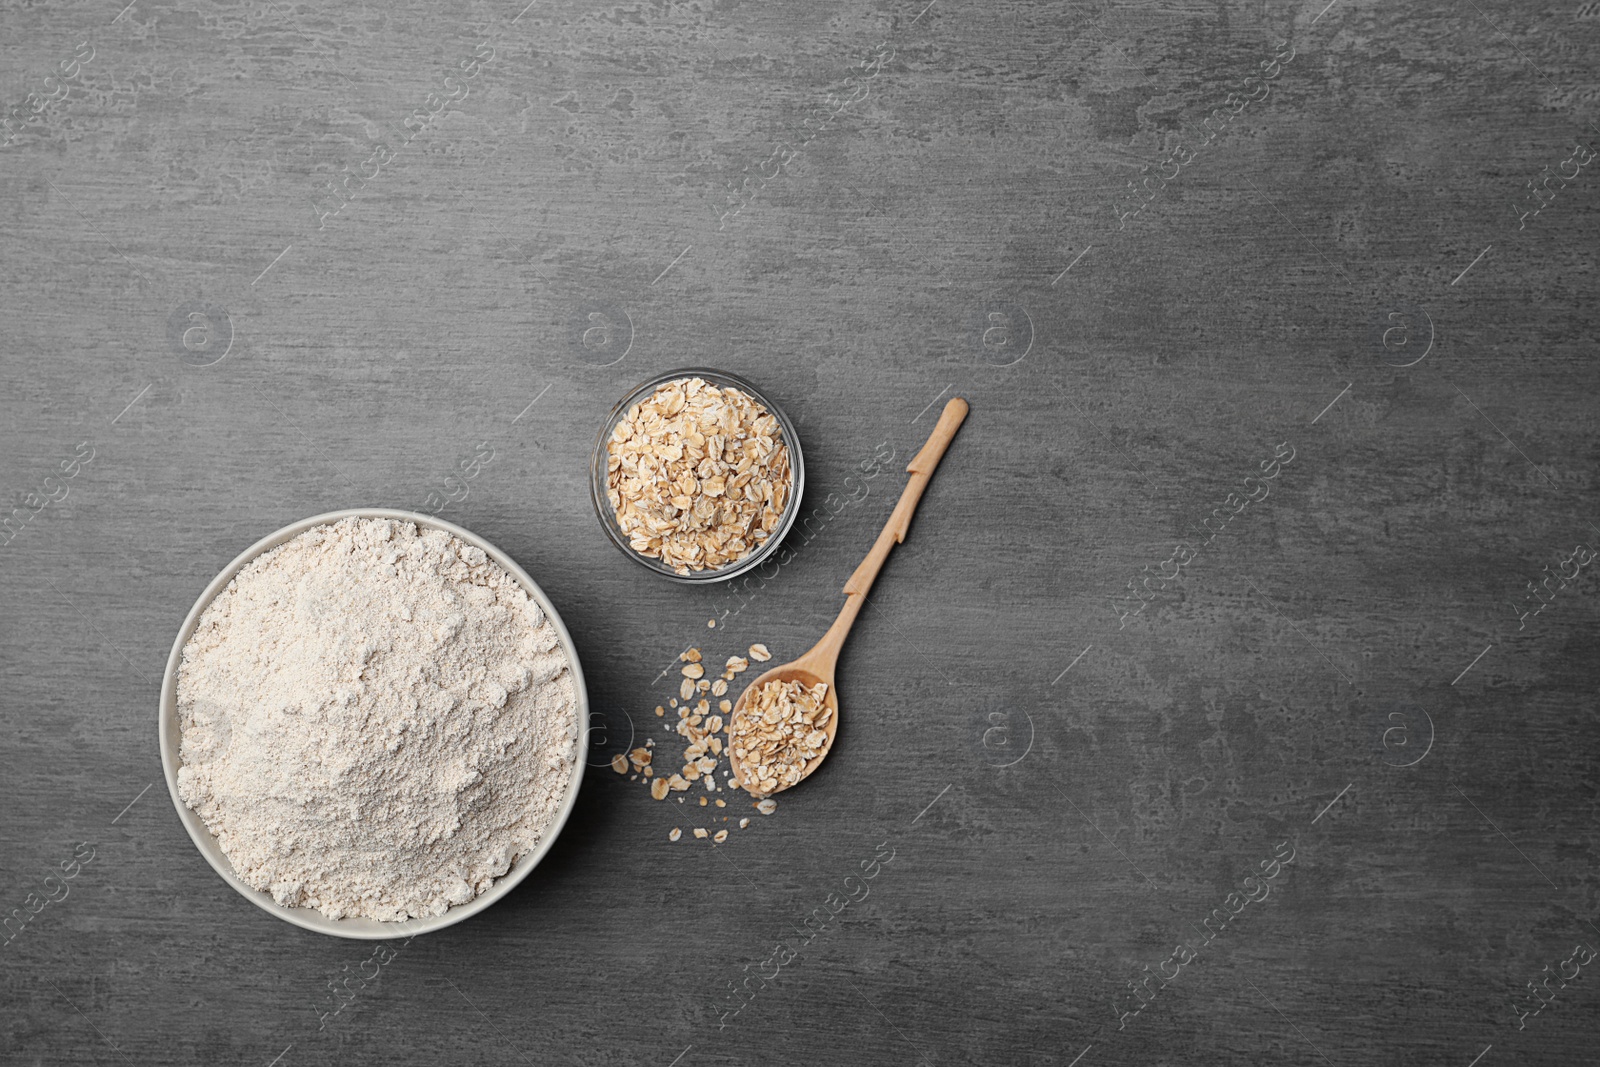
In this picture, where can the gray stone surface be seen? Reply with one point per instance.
(865, 209)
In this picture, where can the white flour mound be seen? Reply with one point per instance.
(376, 721)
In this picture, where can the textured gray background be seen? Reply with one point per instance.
(1067, 794)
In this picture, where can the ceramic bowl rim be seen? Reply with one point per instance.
(310, 918)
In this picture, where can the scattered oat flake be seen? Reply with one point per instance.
(719, 687)
(693, 670)
(720, 836)
(722, 803)
(686, 688)
(767, 807)
(658, 789)
(744, 822)
(711, 623)
(619, 763)
(759, 653)
(737, 664)
(724, 706)
(700, 832)
(660, 711)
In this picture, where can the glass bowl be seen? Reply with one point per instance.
(608, 517)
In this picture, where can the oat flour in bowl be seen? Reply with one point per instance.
(376, 721)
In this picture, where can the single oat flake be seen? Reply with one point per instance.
(698, 475)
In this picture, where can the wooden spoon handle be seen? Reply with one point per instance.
(821, 658)
(921, 469)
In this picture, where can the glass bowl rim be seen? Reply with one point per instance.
(608, 518)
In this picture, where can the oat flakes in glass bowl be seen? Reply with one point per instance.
(675, 508)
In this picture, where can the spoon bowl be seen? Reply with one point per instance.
(819, 664)
(808, 676)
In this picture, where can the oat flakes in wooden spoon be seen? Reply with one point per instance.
(784, 723)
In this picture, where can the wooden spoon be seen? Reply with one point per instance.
(818, 665)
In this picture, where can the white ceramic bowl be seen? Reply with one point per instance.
(310, 918)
